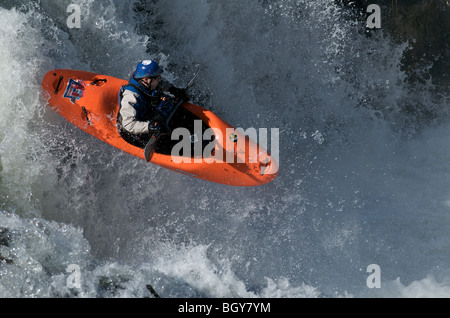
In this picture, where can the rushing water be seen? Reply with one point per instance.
(364, 152)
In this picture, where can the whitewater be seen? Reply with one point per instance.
(364, 153)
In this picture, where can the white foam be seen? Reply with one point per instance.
(356, 190)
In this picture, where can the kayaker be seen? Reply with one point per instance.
(143, 104)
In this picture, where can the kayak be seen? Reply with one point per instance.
(201, 145)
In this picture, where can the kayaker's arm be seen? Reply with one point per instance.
(128, 113)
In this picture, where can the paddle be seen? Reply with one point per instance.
(151, 144)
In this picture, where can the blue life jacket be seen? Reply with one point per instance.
(148, 101)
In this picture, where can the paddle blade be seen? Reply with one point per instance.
(150, 148)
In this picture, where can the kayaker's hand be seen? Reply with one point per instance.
(179, 93)
(162, 128)
(153, 127)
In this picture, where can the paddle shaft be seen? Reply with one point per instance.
(151, 145)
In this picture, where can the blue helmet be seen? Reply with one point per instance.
(147, 68)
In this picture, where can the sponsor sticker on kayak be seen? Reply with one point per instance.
(74, 90)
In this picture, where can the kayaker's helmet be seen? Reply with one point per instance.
(147, 68)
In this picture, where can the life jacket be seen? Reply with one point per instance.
(150, 105)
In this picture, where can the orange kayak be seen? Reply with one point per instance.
(205, 147)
